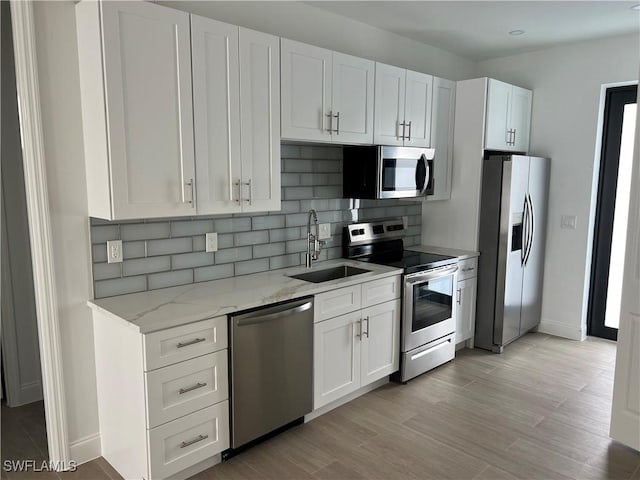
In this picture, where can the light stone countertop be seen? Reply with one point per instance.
(170, 307)
(454, 252)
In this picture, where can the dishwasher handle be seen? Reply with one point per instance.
(284, 311)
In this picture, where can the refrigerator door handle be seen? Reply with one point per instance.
(531, 216)
(523, 241)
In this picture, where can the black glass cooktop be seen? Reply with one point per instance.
(411, 261)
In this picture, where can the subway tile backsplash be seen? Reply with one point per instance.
(168, 252)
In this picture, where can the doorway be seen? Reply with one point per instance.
(612, 209)
(23, 431)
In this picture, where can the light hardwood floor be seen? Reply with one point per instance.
(538, 411)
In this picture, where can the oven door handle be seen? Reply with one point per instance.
(430, 275)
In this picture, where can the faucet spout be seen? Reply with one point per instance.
(313, 244)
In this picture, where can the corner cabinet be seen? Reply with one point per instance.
(508, 119)
(135, 77)
(442, 125)
(236, 101)
(356, 338)
(326, 96)
(402, 107)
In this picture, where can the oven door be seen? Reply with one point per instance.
(405, 172)
(429, 306)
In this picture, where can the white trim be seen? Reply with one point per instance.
(86, 449)
(561, 329)
(33, 158)
(594, 199)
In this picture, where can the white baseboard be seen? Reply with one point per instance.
(85, 449)
(561, 329)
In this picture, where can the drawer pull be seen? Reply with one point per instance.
(199, 438)
(191, 342)
(192, 387)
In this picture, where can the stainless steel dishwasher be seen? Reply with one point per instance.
(271, 369)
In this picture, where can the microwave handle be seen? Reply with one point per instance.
(422, 174)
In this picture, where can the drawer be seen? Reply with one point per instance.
(337, 302)
(185, 387)
(380, 291)
(467, 268)
(182, 343)
(188, 440)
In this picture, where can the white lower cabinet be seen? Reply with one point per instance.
(357, 348)
(466, 299)
(162, 397)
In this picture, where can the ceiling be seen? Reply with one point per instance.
(479, 30)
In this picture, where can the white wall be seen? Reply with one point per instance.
(566, 83)
(64, 157)
(305, 23)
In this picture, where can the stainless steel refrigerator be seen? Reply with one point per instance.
(513, 217)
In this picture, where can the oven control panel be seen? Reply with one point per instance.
(361, 233)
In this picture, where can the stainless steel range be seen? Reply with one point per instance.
(428, 306)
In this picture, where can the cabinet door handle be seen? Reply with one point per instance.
(239, 185)
(459, 296)
(467, 269)
(403, 125)
(367, 332)
(198, 385)
(190, 185)
(409, 136)
(250, 199)
(508, 137)
(330, 115)
(199, 438)
(337, 117)
(190, 342)
(514, 137)
(359, 334)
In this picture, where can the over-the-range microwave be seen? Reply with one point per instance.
(379, 171)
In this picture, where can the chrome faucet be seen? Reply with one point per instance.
(313, 244)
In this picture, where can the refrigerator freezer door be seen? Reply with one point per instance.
(534, 267)
(514, 188)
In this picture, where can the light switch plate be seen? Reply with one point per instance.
(568, 222)
(211, 242)
(114, 251)
(324, 231)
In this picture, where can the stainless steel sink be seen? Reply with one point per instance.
(327, 274)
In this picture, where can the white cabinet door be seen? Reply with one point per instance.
(306, 91)
(352, 99)
(442, 124)
(497, 135)
(216, 112)
(260, 118)
(380, 341)
(389, 103)
(417, 113)
(520, 118)
(336, 351)
(147, 78)
(466, 309)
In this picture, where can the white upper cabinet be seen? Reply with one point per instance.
(403, 104)
(326, 96)
(237, 122)
(442, 125)
(216, 111)
(135, 77)
(508, 117)
(260, 120)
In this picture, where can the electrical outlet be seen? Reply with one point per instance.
(211, 242)
(568, 222)
(324, 231)
(114, 251)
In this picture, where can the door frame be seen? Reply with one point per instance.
(586, 289)
(39, 219)
(601, 246)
